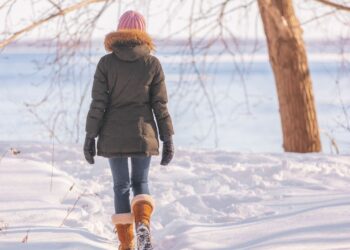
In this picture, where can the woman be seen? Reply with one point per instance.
(128, 89)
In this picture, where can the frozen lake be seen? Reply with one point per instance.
(230, 118)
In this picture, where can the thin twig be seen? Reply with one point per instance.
(69, 190)
(335, 5)
(36, 24)
(70, 210)
(25, 239)
(333, 142)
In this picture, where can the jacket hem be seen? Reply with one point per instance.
(131, 154)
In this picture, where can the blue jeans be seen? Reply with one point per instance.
(121, 180)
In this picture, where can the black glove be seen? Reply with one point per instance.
(89, 149)
(168, 151)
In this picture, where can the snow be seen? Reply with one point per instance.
(205, 199)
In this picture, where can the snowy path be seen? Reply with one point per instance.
(205, 200)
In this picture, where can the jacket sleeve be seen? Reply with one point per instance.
(159, 99)
(99, 101)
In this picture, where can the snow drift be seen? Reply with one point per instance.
(51, 199)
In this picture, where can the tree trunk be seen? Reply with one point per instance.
(293, 82)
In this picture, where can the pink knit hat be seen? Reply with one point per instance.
(132, 20)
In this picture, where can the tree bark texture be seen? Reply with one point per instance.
(288, 60)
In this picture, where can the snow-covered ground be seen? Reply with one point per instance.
(204, 200)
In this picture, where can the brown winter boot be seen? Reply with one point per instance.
(124, 226)
(142, 207)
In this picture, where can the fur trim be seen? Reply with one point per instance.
(128, 37)
(143, 197)
(124, 218)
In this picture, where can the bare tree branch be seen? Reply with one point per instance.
(60, 12)
(5, 3)
(335, 5)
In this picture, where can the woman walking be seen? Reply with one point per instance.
(128, 91)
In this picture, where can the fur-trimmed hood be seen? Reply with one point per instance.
(129, 45)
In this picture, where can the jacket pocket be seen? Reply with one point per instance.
(149, 128)
(150, 134)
